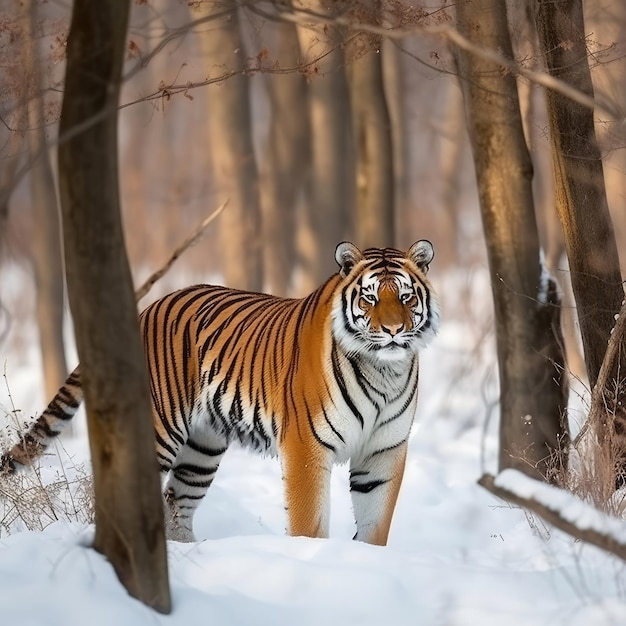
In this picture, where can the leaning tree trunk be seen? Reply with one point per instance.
(232, 151)
(374, 223)
(129, 513)
(583, 209)
(47, 253)
(532, 388)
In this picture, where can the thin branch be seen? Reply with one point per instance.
(301, 16)
(450, 34)
(187, 243)
(598, 408)
(604, 541)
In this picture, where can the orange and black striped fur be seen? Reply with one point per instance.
(322, 380)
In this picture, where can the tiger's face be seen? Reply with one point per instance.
(386, 309)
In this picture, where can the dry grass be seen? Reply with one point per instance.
(37, 496)
(592, 475)
(31, 501)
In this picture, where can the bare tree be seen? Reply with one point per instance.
(285, 165)
(47, 254)
(232, 151)
(332, 172)
(395, 76)
(374, 223)
(582, 203)
(533, 390)
(12, 142)
(128, 509)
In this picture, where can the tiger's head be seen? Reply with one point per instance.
(386, 308)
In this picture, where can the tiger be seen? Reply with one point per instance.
(317, 381)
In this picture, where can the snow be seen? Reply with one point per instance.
(457, 556)
(567, 505)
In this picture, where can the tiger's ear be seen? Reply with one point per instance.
(421, 253)
(347, 256)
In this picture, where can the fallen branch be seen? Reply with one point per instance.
(553, 515)
(187, 243)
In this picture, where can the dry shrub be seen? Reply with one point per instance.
(35, 497)
(592, 474)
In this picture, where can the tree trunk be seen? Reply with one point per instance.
(394, 76)
(535, 119)
(332, 173)
(47, 254)
(606, 19)
(129, 514)
(286, 163)
(453, 145)
(583, 210)
(580, 193)
(232, 150)
(374, 215)
(12, 141)
(532, 388)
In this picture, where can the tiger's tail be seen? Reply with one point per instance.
(46, 427)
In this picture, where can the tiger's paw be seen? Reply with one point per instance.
(178, 532)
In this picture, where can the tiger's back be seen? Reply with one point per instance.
(226, 361)
(316, 381)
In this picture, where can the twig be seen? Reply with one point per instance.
(617, 340)
(187, 243)
(599, 539)
(450, 34)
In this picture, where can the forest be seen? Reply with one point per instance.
(493, 129)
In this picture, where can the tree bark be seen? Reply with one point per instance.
(332, 172)
(532, 387)
(232, 150)
(47, 253)
(580, 193)
(285, 167)
(584, 214)
(8, 168)
(374, 215)
(394, 76)
(128, 515)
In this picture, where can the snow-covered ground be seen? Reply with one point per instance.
(456, 555)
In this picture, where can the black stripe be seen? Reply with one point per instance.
(387, 449)
(341, 383)
(192, 468)
(206, 451)
(312, 427)
(366, 487)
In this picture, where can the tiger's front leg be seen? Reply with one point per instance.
(306, 483)
(375, 479)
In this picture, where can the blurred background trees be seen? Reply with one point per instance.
(314, 131)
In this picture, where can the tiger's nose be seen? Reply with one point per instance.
(392, 329)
